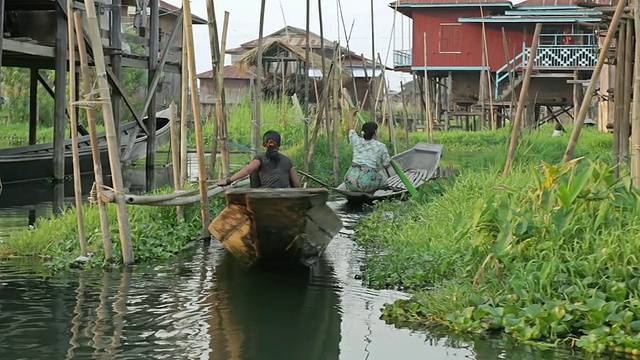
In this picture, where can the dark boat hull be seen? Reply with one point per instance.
(36, 162)
(276, 226)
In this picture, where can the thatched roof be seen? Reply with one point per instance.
(272, 47)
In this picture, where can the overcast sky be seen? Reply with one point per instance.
(244, 21)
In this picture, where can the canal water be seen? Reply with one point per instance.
(203, 305)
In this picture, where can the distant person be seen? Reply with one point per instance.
(270, 169)
(558, 130)
(369, 157)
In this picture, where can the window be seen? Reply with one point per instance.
(450, 38)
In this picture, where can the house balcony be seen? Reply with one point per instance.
(563, 57)
(402, 58)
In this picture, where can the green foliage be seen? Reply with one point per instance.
(155, 234)
(545, 254)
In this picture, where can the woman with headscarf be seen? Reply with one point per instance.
(369, 157)
(270, 169)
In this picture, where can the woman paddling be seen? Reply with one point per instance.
(369, 157)
(270, 169)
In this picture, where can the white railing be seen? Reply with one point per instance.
(402, 58)
(564, 57)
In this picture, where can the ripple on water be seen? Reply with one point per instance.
(203, 305)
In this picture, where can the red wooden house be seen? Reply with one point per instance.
(457, 32)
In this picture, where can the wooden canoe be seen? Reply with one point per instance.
(276, 226)
(35, 162)
(420, 164)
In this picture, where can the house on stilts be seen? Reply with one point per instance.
(477, 52)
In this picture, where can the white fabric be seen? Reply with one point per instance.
(371, 153)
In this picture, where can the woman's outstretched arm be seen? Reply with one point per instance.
(254, 165)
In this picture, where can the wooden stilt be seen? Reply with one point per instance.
(586, 101)
(73, 122)
(326, 78)
(154, 34)
(195, 108)
(114, 160)
(522, 99)
(33, 106)
(59, 119)
(635, 128)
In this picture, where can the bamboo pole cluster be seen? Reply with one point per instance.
(116, 194)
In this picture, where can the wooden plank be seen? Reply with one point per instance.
(27, 48)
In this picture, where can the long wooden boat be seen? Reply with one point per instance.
(35, 162)
(276, 226)
(420, 164)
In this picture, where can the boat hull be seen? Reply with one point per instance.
(420, 164)
(276, 226)
(36, 162)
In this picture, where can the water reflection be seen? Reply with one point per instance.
(286, 315)
(22, 203)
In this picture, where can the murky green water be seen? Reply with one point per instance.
(203, 305)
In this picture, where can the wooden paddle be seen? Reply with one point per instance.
(412, 190)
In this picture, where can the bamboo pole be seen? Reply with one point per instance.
(325, 77)
(405, 114)
(175, 155)
(618, 96)
(586, 100)
(222, 119)
(485, 54)
(628, 77)
(392, 125)
(373, 104)
(184, 110)
(336, 121)
(258, 89)
(202, 176)
(307, 50)
(427, 96)
(522, 99)
(635, 128)
(93, 136)
(111, 137)
(77, 184)
(214, 45)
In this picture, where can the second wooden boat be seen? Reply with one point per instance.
(420, 164)
(35, 162)
(276, 226)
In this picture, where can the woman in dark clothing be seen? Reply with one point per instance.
(269, 170)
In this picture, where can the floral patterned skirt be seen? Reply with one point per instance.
(363, 179)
